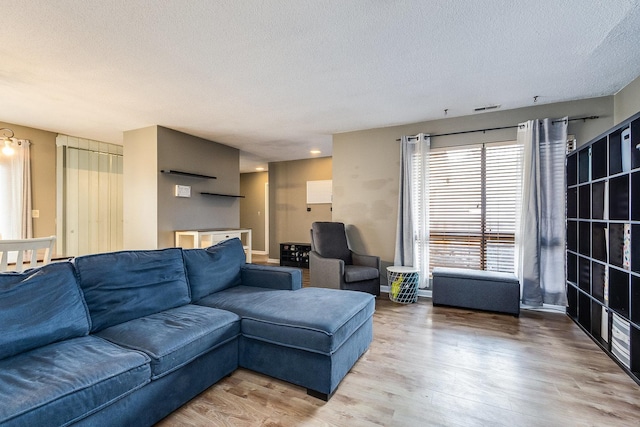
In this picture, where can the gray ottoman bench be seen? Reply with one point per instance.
(311, 337)
(476, 289)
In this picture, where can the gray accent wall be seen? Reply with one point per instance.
(152, 211)
(366, 163)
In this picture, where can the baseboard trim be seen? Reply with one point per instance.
(260, 252)
(427, 293)
(273, 261)
(421, 292)
(551, 308)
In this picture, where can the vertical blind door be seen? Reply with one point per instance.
(92, 197)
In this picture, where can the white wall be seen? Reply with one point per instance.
(627, 101)
(140, 184)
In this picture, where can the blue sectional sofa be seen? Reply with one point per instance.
(125, 338)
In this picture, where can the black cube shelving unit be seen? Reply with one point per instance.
(603, 242)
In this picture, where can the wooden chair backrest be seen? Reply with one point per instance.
(26, 251)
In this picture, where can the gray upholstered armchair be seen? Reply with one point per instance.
(333, 265)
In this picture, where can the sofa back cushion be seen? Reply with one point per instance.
(215, 268)
(39, 307)
(122, 286)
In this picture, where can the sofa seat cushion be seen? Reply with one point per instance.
(65, 381)
(176, 336)
(313, 319)
(358, 273)
(121, 286)
(39, 307)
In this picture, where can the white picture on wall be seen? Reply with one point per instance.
(319, 192)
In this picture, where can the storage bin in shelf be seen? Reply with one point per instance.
(599, 159)
(635, 201)
(619, 198)
(584, 166)
(620, 340)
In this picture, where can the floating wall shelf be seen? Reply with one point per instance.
(204, 193)
(189, 174)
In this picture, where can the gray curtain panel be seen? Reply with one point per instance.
(412, 233)
(405, 226)
(540, 235)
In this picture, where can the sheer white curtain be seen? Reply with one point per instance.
(540, 231)
(412, 231)
(15, 192)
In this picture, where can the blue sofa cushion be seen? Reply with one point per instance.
(65, 381)
(177, 336)
(215, 268)
(39, 307)
(121, 286)
(297, 319)
(269, 276)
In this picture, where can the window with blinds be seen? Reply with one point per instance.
(473, 193)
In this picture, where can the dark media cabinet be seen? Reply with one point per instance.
(295, 254)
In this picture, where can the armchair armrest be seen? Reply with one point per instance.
(272, 277)
(325, 272)
(366, 260)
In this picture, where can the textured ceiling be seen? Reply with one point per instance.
(277, 78)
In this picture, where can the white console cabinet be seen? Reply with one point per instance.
(204, 238)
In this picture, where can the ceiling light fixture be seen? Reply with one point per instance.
(7, 134)
(260, 169)
(315, 151)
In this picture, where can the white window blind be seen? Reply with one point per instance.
(503, 178)
(473, 193)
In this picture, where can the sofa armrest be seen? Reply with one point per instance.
(273, 277)
(366, 260)
(325, 272)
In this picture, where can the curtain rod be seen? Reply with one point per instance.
(504, 127)
(91, 151)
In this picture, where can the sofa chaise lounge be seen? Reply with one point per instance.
(125, 338)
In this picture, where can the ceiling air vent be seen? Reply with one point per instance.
(486, 108)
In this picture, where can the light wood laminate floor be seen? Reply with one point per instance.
(435, 366)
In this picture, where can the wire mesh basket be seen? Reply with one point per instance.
(403, 284)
